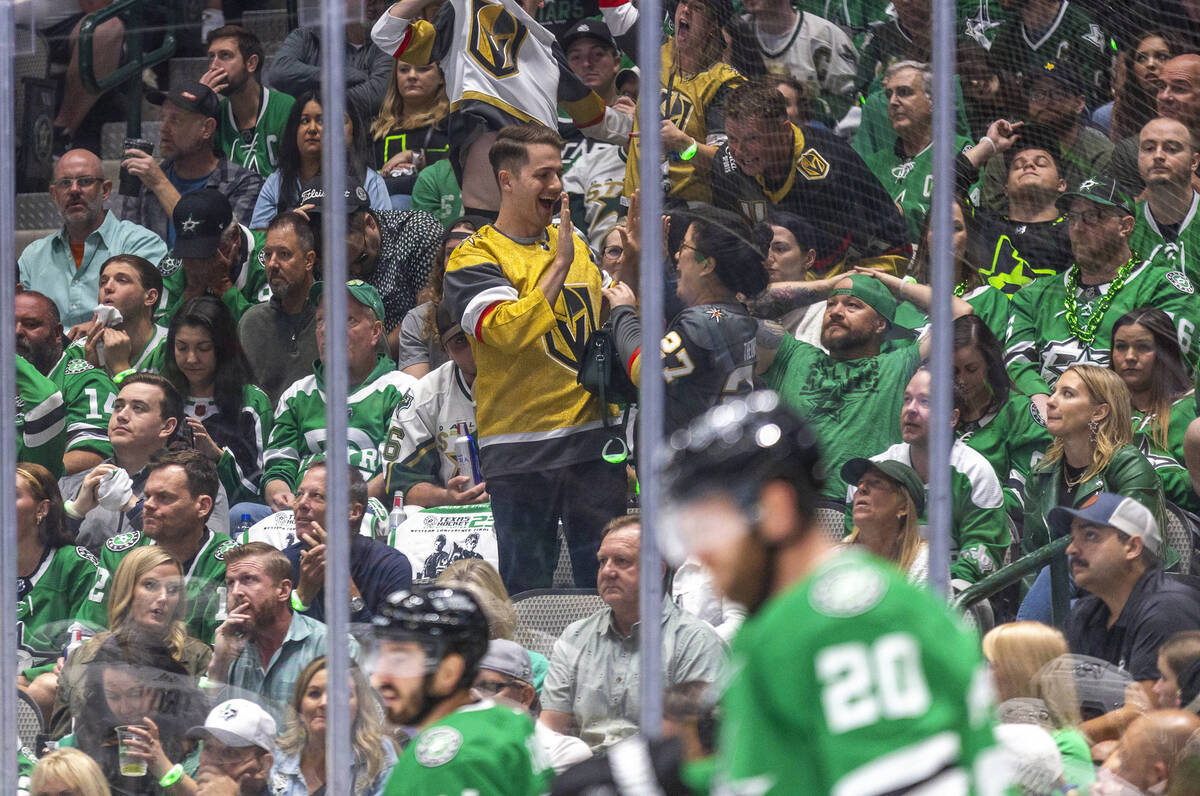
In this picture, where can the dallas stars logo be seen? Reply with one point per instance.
(189, 224)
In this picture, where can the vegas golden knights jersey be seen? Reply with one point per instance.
(494, 53)
(530, 411)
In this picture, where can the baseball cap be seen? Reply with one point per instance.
(313, 193)
(875, 295)
(191, 95)
(200, 217)
(590, 28)
(1102, 191)
(360, 291)
(1061, 72)
(240, 723)
(508, 657)
(1116, 511)
(899, 472)
(447, 325)
(626, 74)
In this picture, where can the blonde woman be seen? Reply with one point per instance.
(1027, 662)
(483, 581)
(68, 771)
(1091, 450)
(410, 131)
(147, 607)
(300, 767)
(886, 513)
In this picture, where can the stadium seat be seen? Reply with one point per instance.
(543, 614)
(29, 721)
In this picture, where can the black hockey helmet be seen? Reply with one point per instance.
(441, 619)
(738, 446)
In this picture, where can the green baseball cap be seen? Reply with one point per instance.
(1102, 191)
(875, 295)
(360, 291)
(899, 472)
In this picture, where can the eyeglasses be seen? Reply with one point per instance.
(613, 252)
(1089, 217)
(491, 688)
(65, 183)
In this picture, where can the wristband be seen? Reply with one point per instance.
(120, 377)
(172, 776)
(988, 138)
(691, 151)
(297, 603)
(69, 508)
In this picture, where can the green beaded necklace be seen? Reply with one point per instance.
(1087, 332)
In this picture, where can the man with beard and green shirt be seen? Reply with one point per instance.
(1163, 222)
(376, 389)
(850, 395)
(1067, 320)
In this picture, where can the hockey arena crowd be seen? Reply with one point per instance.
(171, 509)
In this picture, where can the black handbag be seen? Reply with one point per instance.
(601, 373)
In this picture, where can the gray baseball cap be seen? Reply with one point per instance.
(508, 657)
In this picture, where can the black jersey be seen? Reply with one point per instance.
(1011, 254)
(829, 185)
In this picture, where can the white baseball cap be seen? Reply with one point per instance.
(240, 723)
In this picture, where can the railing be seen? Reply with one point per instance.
(1026, 565)
(132, 13)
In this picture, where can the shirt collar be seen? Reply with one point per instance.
(105, 230)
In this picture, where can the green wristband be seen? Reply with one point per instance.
(297, 603)
(172, 776)
(690, 152)
(120, 377)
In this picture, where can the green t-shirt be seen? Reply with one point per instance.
(50, 599)
(256, 149)
(89, 394)
(202, 576)
(853, 681)
(1012, 439)
(909, 181)
(1041, 346)
(852, 405)
(1148, 240)
(1169, 461)
(41, 419)
(482, 748)
(436, 191)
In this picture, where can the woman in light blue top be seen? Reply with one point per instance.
(300, 161)
(300, 764)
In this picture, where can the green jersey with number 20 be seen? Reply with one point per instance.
(854, 683)
(482, 748)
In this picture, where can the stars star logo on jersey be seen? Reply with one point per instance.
(189, 224)
(223, 549)
(438, 746)
(847, 591)
(123, 541)
(715, 313)
(1180, 282)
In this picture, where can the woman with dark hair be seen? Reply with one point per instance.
(1135, 102)
(300, 161)
(708, 351)
(228, 417)
(791, 255)
(1147, 357)
(54, 577)
(997, 421)
(127, 685)
(989, 303)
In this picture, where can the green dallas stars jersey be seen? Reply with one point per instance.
(41, 419)
(201, 576)
(256, 149)
(854, 682)
(88, 394)
(1073, 36)
(909, 181)
(298, 432)
(1148, 241)
(990, 304)
(52, 597)
(249, 283)
(149, 360)
(1041, 346)
(1169, 460)
(482, 748)
(1012, 440)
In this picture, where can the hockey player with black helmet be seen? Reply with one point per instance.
(845, 678)
(428, 643)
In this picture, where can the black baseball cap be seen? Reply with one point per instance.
(1061, 72)
(313, 193)
(190, 95)
(591, 29)
(200, 217)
